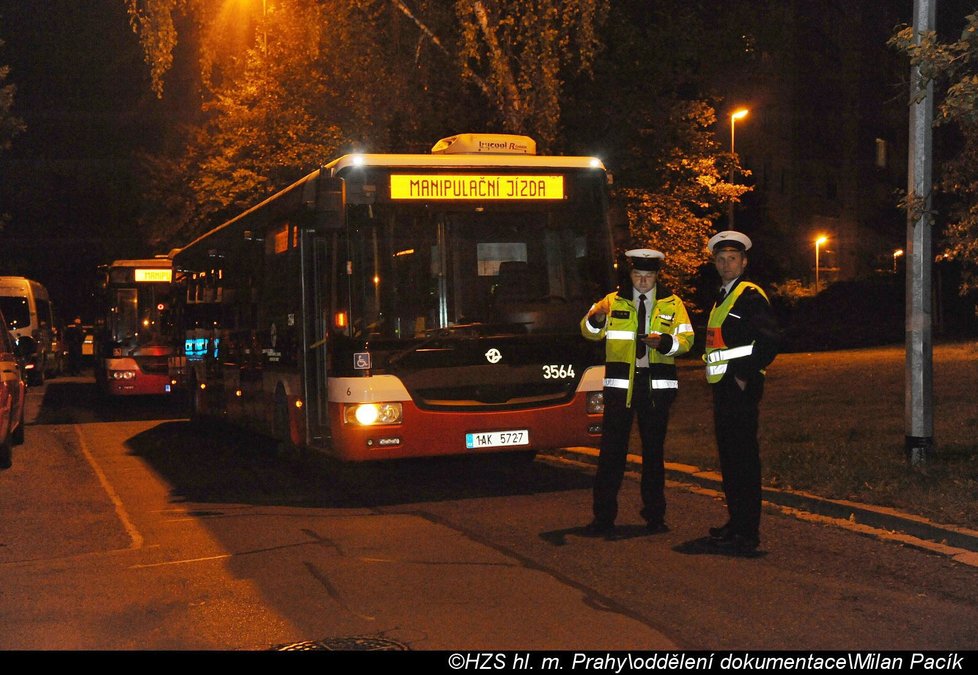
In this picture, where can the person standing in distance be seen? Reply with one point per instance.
(74, 336)
(645, 327)
(742, 339)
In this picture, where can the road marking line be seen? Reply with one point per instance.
(135, 537)
(182, 562)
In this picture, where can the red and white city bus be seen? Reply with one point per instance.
(134, 346)
(406, 305)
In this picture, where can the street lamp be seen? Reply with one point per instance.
(896, 254)
(818, 242)
(734, 116)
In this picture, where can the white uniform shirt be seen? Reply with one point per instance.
(649, 304)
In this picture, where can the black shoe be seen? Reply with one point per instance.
(597, 528)
(656, 527)
(738, 543)
(721, 532)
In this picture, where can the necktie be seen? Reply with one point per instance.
(642, 328)
(721, 295)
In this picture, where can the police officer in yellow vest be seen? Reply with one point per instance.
(645, 327)
(742, 340)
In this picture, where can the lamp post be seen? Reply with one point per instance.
(734, 116)
(818, 242)
(896, 254)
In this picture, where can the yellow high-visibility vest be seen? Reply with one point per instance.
(668, 315)
(718, 354)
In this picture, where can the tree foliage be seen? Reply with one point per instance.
(675, 208)
(653, 109)
(286, 84)
(952, 67)
(10, 125)
(518, 53)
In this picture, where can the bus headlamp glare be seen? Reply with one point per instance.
(123, 374)
(595, 403)
(367, 414)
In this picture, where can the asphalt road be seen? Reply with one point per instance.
(125, 528)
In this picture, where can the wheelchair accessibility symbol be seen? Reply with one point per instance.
(361, 360)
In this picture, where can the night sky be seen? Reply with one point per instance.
(67, 183)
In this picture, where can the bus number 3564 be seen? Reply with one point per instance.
(558, 372)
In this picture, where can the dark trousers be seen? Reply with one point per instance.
(652, 409)
(74, 360)
(735, 415)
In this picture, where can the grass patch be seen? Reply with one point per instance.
(833, 423)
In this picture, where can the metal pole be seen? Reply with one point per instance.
(730, 215)
(919, 345)
(817, 241)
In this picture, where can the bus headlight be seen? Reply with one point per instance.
(122, 374)
(595, 403)
(366, 414)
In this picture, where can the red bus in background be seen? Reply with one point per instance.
(133, 346)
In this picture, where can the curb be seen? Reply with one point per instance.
(958, 542)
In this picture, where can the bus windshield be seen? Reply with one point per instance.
(136, 316)
(515, 271)
(16, 311)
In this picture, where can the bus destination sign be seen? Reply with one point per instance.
(477, 187)
(153, 275)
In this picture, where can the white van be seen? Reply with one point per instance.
(27, 308)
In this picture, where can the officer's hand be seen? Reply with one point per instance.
(653, 340)
(600, 310)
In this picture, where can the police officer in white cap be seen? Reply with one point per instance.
(645, 327)
(742, 339)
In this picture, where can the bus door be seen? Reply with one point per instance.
(318, 253)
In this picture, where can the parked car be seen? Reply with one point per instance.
(26, 305)
(13, 391)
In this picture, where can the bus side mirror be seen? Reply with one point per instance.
(329, 203)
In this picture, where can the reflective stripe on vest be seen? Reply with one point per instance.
(615, 383)
(620, 335)
(728, 354)
(715, 370)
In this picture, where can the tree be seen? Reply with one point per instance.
(317, 76)
(674, 208)
(649, 111)
(10, 125)
(952, 67)
(518, 52)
